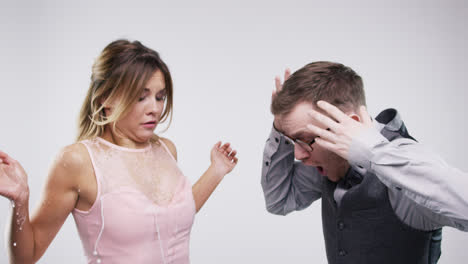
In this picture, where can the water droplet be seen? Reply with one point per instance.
(98, 260)
(12, 205)
(14, 244)
(20, 228)
(95, 253)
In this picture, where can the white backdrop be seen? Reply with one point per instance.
(223, 58)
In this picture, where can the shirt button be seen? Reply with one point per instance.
(342, 253)
(341, 225)
(277, 140)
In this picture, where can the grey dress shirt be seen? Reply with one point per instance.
(424, 191)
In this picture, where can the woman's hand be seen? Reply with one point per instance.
(13, 179)
(223, 158)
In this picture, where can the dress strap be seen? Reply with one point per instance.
(167, 149)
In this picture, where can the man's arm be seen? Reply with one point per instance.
(288, 185)
(435, 192)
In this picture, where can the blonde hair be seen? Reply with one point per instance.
(119, 74)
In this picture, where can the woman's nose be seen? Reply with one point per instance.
(154, 107)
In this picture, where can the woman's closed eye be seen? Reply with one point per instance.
(161, 96)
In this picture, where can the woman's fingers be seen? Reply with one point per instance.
(4, 158)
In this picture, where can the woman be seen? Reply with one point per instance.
(120, 181)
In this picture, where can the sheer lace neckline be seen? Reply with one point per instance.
(114, 146)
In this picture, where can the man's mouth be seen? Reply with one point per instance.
(321, 170)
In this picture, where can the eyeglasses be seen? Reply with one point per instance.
(304, 145)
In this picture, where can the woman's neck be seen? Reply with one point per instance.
(122, 140)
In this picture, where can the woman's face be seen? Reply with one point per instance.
(139, 123)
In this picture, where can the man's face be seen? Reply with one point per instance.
(293, 126)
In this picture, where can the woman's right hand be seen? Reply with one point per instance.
(13, 179)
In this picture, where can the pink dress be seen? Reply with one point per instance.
(144, 209)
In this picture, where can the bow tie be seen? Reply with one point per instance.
(352, 178)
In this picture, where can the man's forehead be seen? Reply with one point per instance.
(294, 129)
(294, 123)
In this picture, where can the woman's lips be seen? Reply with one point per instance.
(149, 125)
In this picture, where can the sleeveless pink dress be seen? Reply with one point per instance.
(144, 209)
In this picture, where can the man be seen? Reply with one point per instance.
(384, 197)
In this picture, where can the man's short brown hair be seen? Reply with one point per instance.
(321, 80)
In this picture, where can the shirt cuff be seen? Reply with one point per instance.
(362, 148)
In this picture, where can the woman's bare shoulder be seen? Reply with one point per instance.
(170, 145)
(72, 160)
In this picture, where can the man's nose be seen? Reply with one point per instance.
(300, 153)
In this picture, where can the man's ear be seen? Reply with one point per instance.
(355, 117)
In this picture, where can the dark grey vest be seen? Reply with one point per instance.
(364, 228)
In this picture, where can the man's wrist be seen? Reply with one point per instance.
(361, 149)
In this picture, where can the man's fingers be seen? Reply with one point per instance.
(333, 111)
(324, 120)
(322, 133)
(325, 144)
(287, 73)
(278, 85)
(365, 117)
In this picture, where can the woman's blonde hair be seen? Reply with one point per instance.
(120, 74)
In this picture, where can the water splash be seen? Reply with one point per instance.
(14, 244)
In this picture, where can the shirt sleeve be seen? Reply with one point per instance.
(287, 184)
(414, 173)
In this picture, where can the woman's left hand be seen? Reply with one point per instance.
(223, 158)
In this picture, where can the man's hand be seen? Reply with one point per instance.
(343, 129)
(278, 87)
